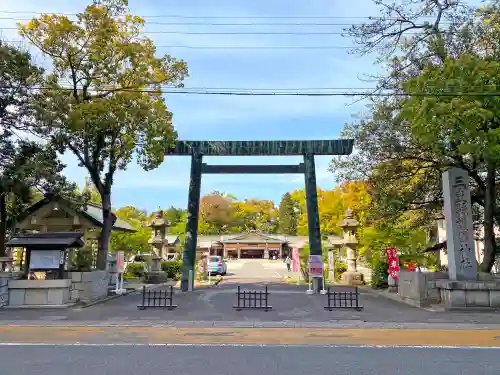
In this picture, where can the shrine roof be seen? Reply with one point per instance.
(90, 211)
(47, 239)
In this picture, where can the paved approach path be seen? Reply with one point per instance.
(290, 304)
(269, 360)
(213, 306)
(255, 270)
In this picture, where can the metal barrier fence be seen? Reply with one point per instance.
(252, 299)
(157, 299)
(343, 300)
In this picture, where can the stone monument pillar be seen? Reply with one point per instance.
(158, 242)
(459, 230)
(349, 225)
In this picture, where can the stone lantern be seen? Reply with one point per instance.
(349, 226)
(159, 231)
(158, 241)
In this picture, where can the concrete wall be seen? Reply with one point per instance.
(469, 294)
(89, 286)
(419, 288)
(367, 273)
(38, 293)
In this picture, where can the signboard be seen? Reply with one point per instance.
(120, 261)
(316, 266)
(295, 260)
(393, 261)
(45, 259)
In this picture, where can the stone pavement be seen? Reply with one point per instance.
(290, 306)
(255, 269)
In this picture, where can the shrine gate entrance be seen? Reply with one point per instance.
(198, 149)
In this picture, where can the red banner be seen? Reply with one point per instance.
(295, 260)
(120, 262)
(393, 261)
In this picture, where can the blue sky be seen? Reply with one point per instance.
(237, 118)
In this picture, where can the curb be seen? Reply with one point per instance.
(333, 324)
(115, 296)
(202, 286)
(395, 297)
(84, 305)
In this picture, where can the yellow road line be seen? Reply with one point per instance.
(283, 336)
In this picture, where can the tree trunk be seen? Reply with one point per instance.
(489, 222)
(3, 223)
(107, 226)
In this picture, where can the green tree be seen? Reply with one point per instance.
(287, 215)
(91, 192)
(26, 167)
(402, 166)
(466, 128)
(174, 215)
(132, 243)
(103, 99)
(254, 214)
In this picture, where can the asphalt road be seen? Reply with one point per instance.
(249, 360)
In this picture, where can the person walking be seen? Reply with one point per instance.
(288, 262)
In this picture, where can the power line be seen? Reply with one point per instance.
(290, 93)
(180, 16)
(230, 32)
(234, 47)
(225, 24)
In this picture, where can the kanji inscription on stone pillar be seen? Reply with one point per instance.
(459, 230)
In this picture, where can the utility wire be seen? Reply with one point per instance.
(234, 47)
(197, 23)
(278, 93)
(179, 16)
(234, 32)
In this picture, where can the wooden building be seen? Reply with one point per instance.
(253, 245)
(54, 214)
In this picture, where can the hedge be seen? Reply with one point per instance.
(172, 268)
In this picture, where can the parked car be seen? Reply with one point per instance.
(217, 265)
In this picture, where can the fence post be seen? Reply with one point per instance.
(343, 300)
(144, 296)
(357, 299)
(238, 296)
(247, 299)
(266, 296)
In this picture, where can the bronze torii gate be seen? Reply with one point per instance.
(197, 149)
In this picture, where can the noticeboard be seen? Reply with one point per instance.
(45, 259)
(316, 266)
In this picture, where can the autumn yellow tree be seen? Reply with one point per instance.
(216, 214)
(103, 100)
